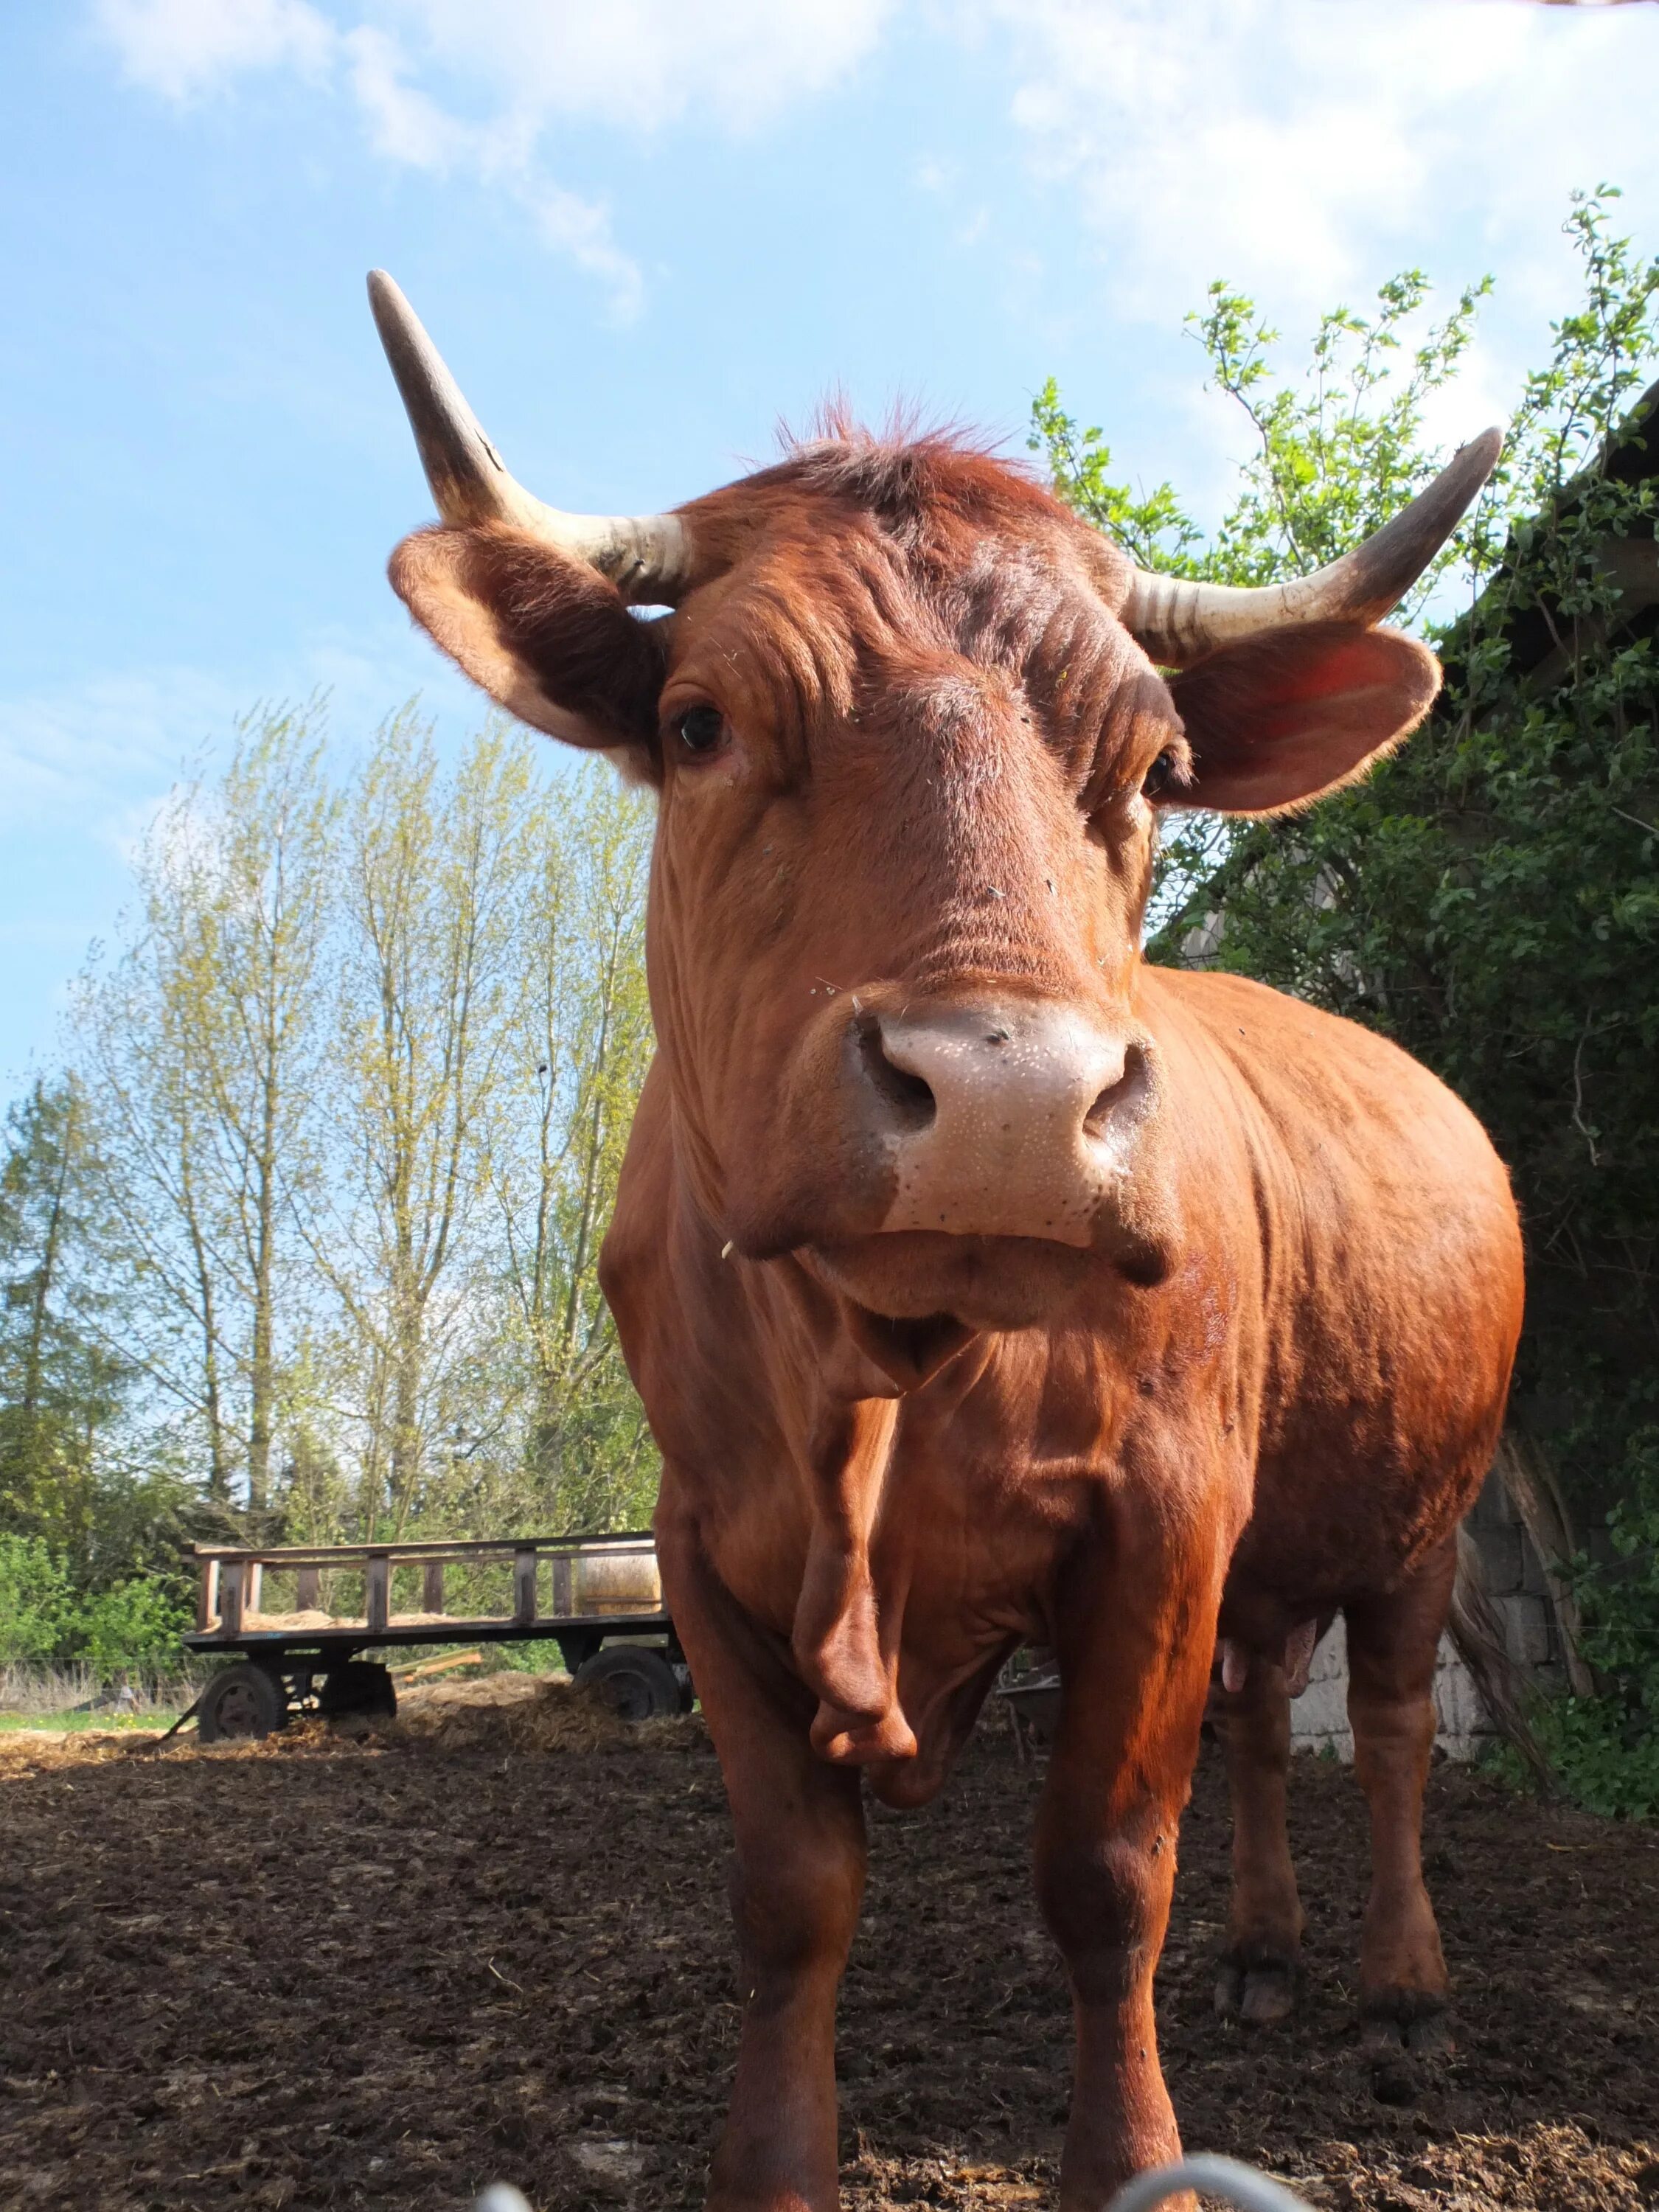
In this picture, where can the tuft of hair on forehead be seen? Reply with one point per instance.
(909, 474)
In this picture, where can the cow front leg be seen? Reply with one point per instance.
(1257, 1981)
(1117, 1780)
(797, 1881)
(1392, 1644)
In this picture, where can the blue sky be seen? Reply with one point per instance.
(644, 231)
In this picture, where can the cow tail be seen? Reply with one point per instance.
(1478, 1636)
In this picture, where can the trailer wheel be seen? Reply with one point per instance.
(357, 1686)
(240, 1702)
(636, 1682)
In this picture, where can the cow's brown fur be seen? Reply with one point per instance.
(1267, 1389)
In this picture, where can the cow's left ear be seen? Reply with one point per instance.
(546, 635)
(1278, 719)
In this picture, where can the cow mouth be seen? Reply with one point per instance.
(909, 1351)
(921, 1294)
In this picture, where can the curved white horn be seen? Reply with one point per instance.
(1178, 621)
(648, 557)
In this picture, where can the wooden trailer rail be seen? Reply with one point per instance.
(231, 1590)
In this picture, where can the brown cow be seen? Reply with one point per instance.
(982, 1283)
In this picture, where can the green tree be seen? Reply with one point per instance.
(429, 966)
(37, 1600)
(61, 1387)
(141, 1619)
(200, 1043)
(578, 1049)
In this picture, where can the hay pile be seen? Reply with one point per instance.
(33, 1750)
(511, 1712)
(508, 1714)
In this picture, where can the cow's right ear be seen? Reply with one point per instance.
(546, 635)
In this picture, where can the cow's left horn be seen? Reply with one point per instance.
(646, 556)
(1178, 621)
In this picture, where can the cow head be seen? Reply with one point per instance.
(911, 726)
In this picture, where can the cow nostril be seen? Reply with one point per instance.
(911, 1099)
(1118, 1094)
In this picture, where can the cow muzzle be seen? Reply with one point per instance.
(999, 1117)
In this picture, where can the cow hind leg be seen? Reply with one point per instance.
(1257, 1979)
(1392, 1643)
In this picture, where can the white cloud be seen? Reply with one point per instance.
(1306, 147)
(643, 63)
(526, 64)
(96, 757)
(185, 48)
(582, 232)
(403, 123)
(93, 757)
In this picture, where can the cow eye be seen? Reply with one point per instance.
(699, 729)
(1159, 775)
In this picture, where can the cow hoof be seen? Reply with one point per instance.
(1413, 2020)
(1262, 1992)
(1269, 1994)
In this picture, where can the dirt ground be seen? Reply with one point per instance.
(329, 1972)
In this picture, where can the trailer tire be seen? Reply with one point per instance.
(240, 1704)
(637, 1683)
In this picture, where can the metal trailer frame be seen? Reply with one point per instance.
(282, 1668)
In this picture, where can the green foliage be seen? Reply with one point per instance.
(83, 1475)
(63, 1386)
(1338, 453)
(133, 1622)
(1151, 527)
(1489, 896)
(45, 1615)
(1599, 1761)
(37, 1600)
(1610, 1746)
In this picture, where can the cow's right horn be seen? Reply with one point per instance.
(1178, 620)
(646, 556)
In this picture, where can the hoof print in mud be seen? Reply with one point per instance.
(1396, 2078)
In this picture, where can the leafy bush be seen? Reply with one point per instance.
(37, 1600)
(135, 1621)
(43, 1617)
(1599, 1761)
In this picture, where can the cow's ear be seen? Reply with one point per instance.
(547, 637)
(1279, 720)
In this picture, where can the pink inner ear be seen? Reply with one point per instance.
(1275, 720)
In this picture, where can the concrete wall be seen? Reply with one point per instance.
(1515, 1586)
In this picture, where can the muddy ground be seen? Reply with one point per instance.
(380, 1973)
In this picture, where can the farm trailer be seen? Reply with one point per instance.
(603, 1608)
